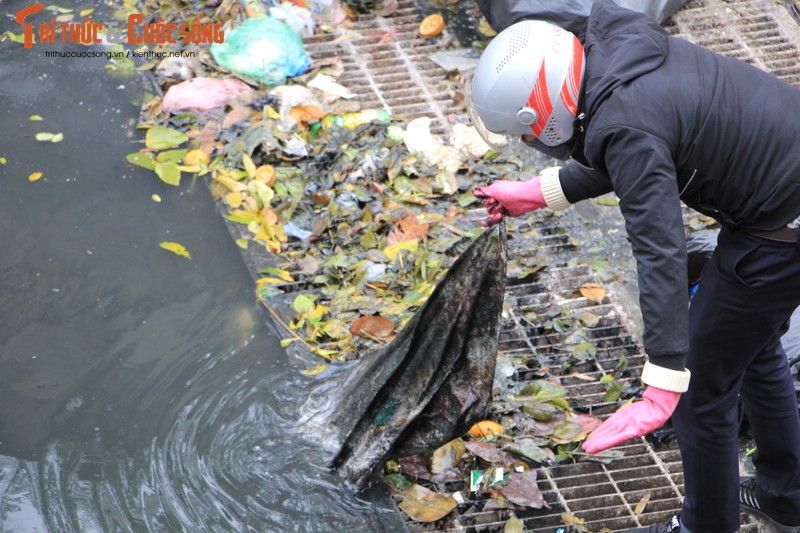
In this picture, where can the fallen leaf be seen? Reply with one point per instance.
(46, 136)
(522, 489)
(639, 509)
(372, 327)
(489, 452)
(162, 138)
(593, 291)
(424, 505)
(529, 449)
(514, 525)
(35, 118)
(156, 198)
(447, 456)
(196, 157)
(176, 248)
(407, 228)
(35, 176)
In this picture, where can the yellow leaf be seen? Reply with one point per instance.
(424, 505)
(156, 198)
(35, 117)
(284, 275)
(593, 291)
(58, 137)
(3, 160)
(242, 243)
(196, 157)
(394, 250)
(642, 503)
(229, 183)
(249, 166)
(314, 371)
(44, 136)
(87, 12)
(176, 248)
(234, 199)
(35, 176)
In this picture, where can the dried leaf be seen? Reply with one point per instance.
(593, 291)
(489, 452)
(588, 423)
(424, 505)
(566, 433)
(529, 449)
(589, 320)
(407, 228)
(447, 456)
(394, 250)
(522, 489)
(372, 327)
(639, 509)
(176, 248)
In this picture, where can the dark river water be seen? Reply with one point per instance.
(139, 390)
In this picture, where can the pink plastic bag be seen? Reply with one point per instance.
(202, 94)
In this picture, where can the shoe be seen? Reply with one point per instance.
(673, 525)
(749, 504)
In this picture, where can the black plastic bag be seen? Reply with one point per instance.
(568, 14)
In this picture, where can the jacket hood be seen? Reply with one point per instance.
(620, 45)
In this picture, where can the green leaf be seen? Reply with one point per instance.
(44, 136)
(35, 117)
(171, 156)
(162, 138)
(543, 390)
(169, 173)
(613, 393)
(142, 159)
(16, 37)
(302, 304)
(583, 350)
(541, 411)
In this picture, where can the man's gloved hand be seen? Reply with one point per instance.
(512, 198)
(634, 420)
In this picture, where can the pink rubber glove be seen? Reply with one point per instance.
(512, 198)
(634, 420)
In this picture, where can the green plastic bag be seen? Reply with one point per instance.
(264, 49)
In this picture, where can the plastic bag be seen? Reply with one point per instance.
(264, 49)
(568, 14)
(298, 18)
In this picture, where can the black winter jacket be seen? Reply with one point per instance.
(666, 121)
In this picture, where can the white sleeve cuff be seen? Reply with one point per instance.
(551, 189)
(666, 378)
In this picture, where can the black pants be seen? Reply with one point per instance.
(748, 291)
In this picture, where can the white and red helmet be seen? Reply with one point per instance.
(527, 82)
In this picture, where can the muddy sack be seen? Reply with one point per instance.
(430, 383)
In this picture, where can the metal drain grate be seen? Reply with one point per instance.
(387, 65)
(757, 32)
